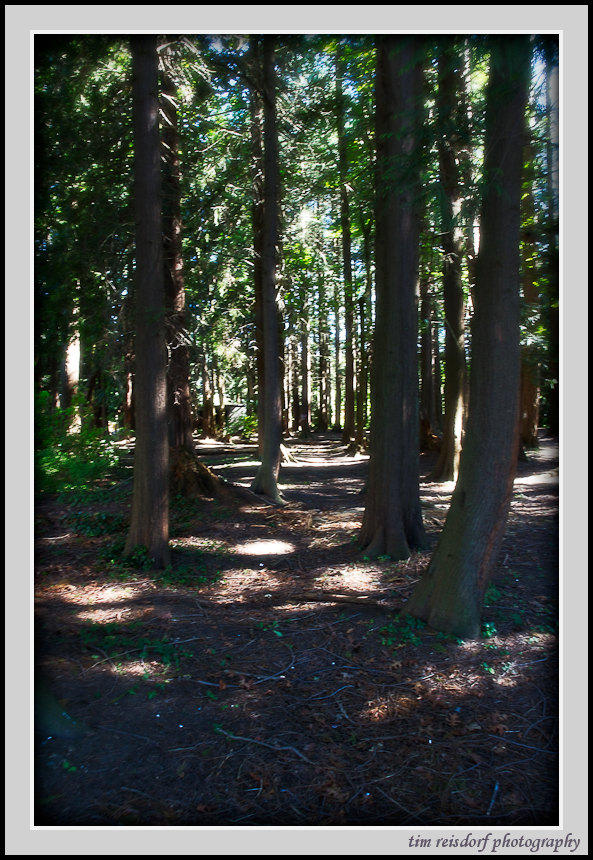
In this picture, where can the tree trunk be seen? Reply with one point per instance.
(449, 597)
(323, 334)
(208, 422)
(149, 525)
(437, 375)
(179, 415)
(71, 372)
(349, 415)
(364, 306)
(392, 523)
(450, 86)
(266, 479)
(305, 416)
(257, 221)
(427, 382)
(552, 305)
(530, 368)
(337, 375)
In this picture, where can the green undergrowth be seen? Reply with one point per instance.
(189, 569)
(115, 639)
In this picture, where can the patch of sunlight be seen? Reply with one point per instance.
(328, 525)
(535, 480)
(263, 547)
(352, 577)
(139, 668)
(88, 596)
(57, 539)
(103, 616)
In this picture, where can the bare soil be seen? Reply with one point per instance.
(266, 678)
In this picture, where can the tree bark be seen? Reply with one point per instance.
(305, 412)
(349, 404)
(427, 382)
(323, 334)
(449, 597)
(256, 108)
(530, 366)
(364, 309)
(266, 479)
(450, 85)
(337, 373)
(392, 523)
(149, 525)
(179, 415)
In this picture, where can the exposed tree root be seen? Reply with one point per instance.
(191, 478)
(286, 456)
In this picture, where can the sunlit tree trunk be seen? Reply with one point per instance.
(392, 523)
(266, 479)
(449, 596)
(149, 525)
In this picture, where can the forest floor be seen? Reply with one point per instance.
(265, 678)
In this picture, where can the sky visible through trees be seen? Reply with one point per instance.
(296, 303)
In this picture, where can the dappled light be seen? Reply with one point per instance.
(263, 547)
(296, 434)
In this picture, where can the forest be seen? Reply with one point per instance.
(296, 416)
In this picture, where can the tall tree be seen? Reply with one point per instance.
(256, 111)
(266, 479)
(349, 419)
(180, 421)
(450, 86)
(392, 522)
(449, 597)
(149, 526)
(530, 367)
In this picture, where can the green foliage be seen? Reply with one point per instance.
(403, 630)
(243, 425)
(117, 639)
(68, 461)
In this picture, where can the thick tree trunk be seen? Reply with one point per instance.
(450, 85)
(449, 597)
(266, 479)
(392, 523)
(149, 525)
(349, 405)
(179, 415)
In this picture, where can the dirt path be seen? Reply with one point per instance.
(266, 679)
